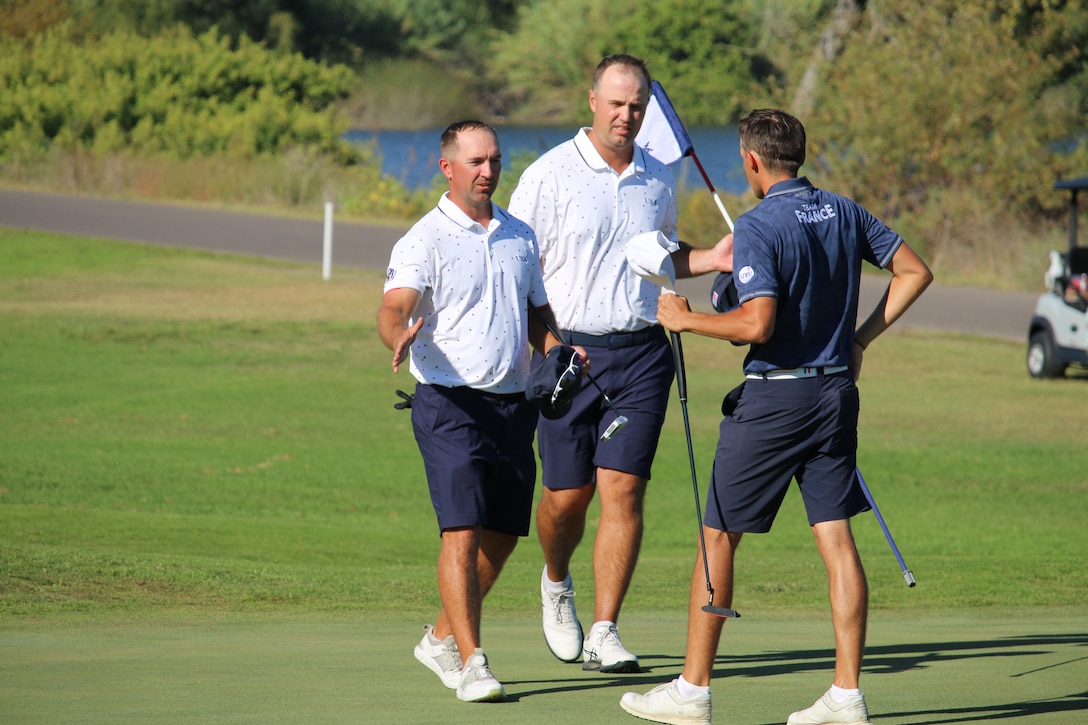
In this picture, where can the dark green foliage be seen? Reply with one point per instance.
(948, 96)
(950, 119)
(543, 65)
(343, 31)
(347, 31)
(700, 51)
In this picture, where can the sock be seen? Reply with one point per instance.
(436, 641)
(603, 624)
(686, 690)
(556, 587)
(839, 695)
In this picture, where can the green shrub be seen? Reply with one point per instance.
(910, 112)
(175, 94)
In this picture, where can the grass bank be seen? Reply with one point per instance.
(186, 430)
(211, 512)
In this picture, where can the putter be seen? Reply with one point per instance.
(682, 388)
(620, 419)
(908, 575)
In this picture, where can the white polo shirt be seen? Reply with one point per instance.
(583, 214)
(476, 285)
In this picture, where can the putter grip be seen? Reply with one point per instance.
(678, 359)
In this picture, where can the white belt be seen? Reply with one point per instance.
(797, 373)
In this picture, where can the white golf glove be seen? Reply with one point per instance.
(648, 254)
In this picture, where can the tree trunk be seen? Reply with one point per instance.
(843, 18)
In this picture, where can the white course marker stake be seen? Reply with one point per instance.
(326, 264)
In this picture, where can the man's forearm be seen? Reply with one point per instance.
(690, 261)
(391, 325)
(910, 277)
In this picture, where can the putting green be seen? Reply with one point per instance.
(1029, 667)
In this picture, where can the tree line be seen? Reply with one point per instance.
(941, 114)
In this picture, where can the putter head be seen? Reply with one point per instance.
(613, 427)
(908, 576)
(721, 612)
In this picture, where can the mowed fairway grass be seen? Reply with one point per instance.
(211, 512)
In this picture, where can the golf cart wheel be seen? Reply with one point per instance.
(1043, 361)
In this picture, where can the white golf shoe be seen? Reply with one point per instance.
(826, 710)
(440, 657)
(477, 683)
(602, 650)
(562, 631)
(665, 704)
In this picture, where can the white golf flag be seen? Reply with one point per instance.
(664, 137)
(662, 134)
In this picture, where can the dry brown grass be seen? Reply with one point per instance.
(964, 242)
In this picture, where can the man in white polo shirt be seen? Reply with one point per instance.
(587, 199)
(457, 295)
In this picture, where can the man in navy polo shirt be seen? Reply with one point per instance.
(797, 264)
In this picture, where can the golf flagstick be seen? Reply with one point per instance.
(664, 137)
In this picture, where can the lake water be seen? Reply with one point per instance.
(411, 157)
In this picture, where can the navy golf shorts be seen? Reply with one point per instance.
(477, 450)
(637, 378)
(783, 430)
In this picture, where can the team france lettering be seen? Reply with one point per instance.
(813, 214)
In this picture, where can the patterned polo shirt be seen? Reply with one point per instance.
(583, 213)
(476, 284)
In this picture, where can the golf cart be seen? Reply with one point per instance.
(1058, 336)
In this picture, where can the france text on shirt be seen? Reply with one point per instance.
(813, 214)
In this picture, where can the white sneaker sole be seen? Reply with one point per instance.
(681, 720)
(559, 657)
(626, 666)
(492, 695)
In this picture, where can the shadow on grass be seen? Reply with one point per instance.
(890, 659)
(887, 659)
(1077, 702)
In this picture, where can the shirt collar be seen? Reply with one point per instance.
(789, 186)
(596, 162)
(456, 214)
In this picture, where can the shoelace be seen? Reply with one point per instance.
(563, 607)
(451, 660)
(610, 633)
(448, 657)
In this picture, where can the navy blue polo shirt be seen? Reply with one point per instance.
(805, 247)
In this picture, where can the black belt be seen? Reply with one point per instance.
(613, 340)
(504, 397)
